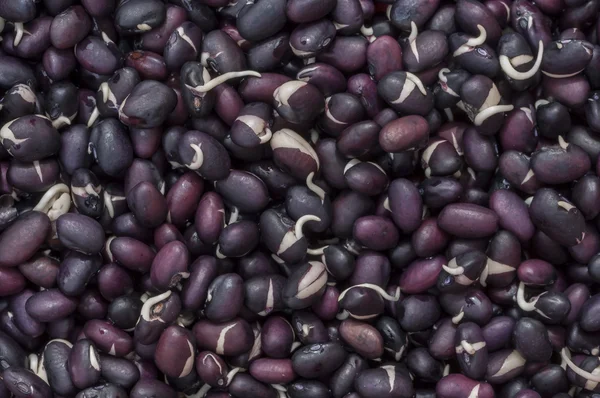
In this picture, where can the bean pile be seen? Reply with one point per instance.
(299, 198)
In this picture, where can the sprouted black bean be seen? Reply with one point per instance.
(299, 198)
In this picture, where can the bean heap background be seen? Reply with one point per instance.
(299, 198)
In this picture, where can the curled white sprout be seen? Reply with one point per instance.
(218, 253)
(514, 74)
(453, 271)
(55, 202)
(566, 357)
(491, 111)
(412, 39)
(472, 42)
(458, 317)
(541, 102)
(417, 82)
(151, 302)
(212, 83)
(300, 224)
(377, 288)
(198, 159)
(314, 187)
(525, 305)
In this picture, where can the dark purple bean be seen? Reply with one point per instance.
(139, 16)
(570, 91)
(363, 338)
(424, 50)
(376, 233)
(149, 65)
(224, 298)
(50, 305)
(308, 388)
(587, 319)
(305, 285)
(157, 313)
(457, 385)
(96, 56)
(429, 239)
(277, 337)
(125, 311)
(386, 381)
(498, 332)
(24, 383)
(55, 361)
(418, 312)
(272, 371)
(175, 352)
(405, 93)
(536, 272)
(11, 353)
(170, 265)
(409, 132)
(148, 105)
(84, 364)
(504, 365)
(531, 339)
(261, 20)
(301, 11)
(403, 12)
(440, 158)
(471, 350)
(21, 240)
(211, 368)
(557, 218)
(230, 56)
(585, 192)
(230, 338)
(106, 137)
(550, 380)
(80, 233)
(384, 55)
(548, 163)
(24, 321)
(309, 39)
(119, 371)
(263, 294)
(30, 138)
(70, 27)
(202, 153)
(424, 366)
(92, 305)
(318, 359)
(243, 385)
(468, 221)
(148, 388)
(76, 270)
(9, 327)
(108, 338)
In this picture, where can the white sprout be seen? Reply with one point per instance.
(212, 83)
(514, 74)
(314, 187)
(377, 288)
(566, 356)
(472, 42)
(489, 112)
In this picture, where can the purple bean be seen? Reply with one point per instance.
(21, 240)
